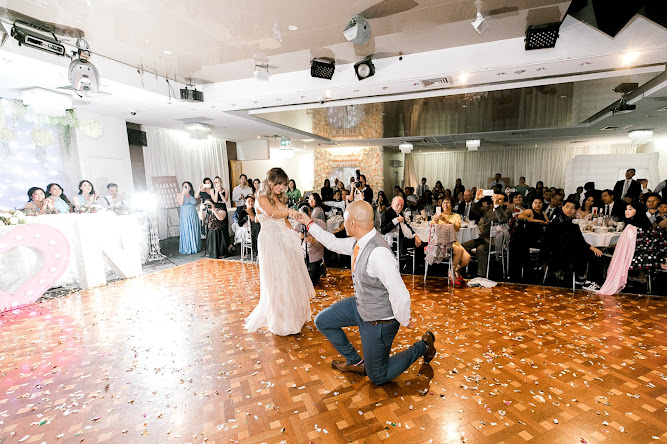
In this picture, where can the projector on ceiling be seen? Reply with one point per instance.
(357, 31)
(28, 35)
(191, 95)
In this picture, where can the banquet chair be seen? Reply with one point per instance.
(445, 253)
(246, 245)
(393, 241)
(501, 252)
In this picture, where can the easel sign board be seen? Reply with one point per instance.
(166, 188)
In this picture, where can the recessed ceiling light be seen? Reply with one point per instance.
(166, 51)
(258, 137)
(385, 87)
(355, 90)
(541, 69)
(500, 73)
(585, 63)
(629, 57)
(292, 27)
(520, 71)
(463, 78)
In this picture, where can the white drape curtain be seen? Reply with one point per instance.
(174, 153)
(474, 168)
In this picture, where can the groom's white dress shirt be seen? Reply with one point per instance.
(381, 265)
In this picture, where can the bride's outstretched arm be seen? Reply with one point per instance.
(272, 211)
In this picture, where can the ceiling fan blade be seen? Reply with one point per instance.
(386, 8)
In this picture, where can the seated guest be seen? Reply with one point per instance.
(113, 199)
(38, 203)
(660, 189)
(495, 213)
(313, 251)
(425, 202)
(554, 208)
(539, 187)
(56, 195)
(652, 202)
(578, 196)
(316, 206)
(640, 249)
(382, 202)
(438, 188)
(448, 193)
(393, 222)
(662, 212)
(516, 203)
(410, 198)
(522, 187)
(246, 220)
(564, 248)
(216, 222)
(530, 195)
(340, 186)
(86, 196)
(460, 257)
(458, 187)
(468, 209)
(294, 196)
(590, 191)
(326, 192)
(527, 234)
(586, 210)
(609, 207)
(459, 198)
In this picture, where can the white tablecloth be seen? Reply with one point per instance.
(18, 262)
(463, 235)
(600, 239)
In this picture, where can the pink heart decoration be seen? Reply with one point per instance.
(56, 251)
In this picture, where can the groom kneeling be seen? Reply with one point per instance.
(380, 304)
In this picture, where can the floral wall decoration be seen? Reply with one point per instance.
(369, 160)
(92, 128)
(34, 151)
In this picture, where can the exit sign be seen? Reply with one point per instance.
(285, 142)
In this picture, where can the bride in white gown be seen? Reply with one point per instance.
(285, 288)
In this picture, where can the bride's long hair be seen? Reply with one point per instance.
(274, 177)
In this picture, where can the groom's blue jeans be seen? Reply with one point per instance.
(375, 341)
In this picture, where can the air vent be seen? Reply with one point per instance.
(438, 82)
(609, 128)
(190, 120)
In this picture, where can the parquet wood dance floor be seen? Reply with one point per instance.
(164, 358)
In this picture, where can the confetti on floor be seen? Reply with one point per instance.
(164, 358)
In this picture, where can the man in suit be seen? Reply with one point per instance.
(496, 213)
(554, 208)
(392, 220)
(498, 182)
(380, 305)
(609, 206)
(628, 187)
(468, 208)
(422, 188)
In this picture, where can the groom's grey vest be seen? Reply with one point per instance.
(372, 297)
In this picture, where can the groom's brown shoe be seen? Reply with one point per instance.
(429, 338)
(343, 366)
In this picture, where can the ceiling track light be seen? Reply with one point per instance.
(261, 71)
(480, 24)
(357, 31)
(365, 68)
(322, 68)
(542, 36)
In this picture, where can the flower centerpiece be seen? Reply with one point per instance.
(12, 217)
(90, 208)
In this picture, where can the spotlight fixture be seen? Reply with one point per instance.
(640, 137)
(357, 31)
(4, 34)
(542, 36)
(405, 147)
(36, 37)
(480, 24)
(261, 71)
(365, 68)
(473, 144)
(198, 130)
(322, 68)
(625, 88)
(624, 107)
(191, 95)
(82, 74)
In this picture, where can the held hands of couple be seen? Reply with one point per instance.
(302, 218)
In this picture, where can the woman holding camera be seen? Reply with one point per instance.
(190, 234)
(285, 288)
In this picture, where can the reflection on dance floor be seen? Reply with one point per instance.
(164, 357)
